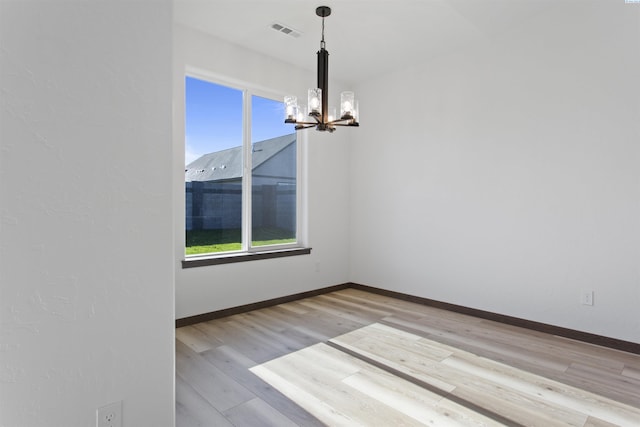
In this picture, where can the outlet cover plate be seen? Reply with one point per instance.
(109, 415)
(586, 297)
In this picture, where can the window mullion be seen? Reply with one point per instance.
(246, 174)
(301, 190)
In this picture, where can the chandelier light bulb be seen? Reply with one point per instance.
(346, 105)
(315, 96)
(332, 114)
(291, 108)
(302, 114)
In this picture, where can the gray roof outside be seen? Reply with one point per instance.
(227, 164)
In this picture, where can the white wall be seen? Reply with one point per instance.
(205, 289)
(506, 177)
(86, 271)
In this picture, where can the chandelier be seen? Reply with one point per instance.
(317, 113)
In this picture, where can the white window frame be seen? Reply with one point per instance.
(248, 91)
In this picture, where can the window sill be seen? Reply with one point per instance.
(201, 261)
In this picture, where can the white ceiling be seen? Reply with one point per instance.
(363, 37)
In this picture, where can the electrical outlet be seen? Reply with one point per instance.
(586, 298)
(109, 415)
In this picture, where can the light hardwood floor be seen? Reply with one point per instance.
(348, 345)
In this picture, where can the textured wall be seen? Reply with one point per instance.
(86, 272)
(511, 180)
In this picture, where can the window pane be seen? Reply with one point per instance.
(213, 170)
(273, 175)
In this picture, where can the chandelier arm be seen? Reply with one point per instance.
(338, 120)
(306, 126)
(342, 122)
(316, 118)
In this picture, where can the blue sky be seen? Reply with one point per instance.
(213, 120)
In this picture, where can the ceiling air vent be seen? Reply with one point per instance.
(284, 29)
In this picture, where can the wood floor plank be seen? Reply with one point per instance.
(385, 302)
(543, 345)
(396, 344)
(257, 413)
(294, 307)
(327, 325)
(523, 397)
(594, 422)
(410, 363)
(532, 377)
(192, 410)
(500, 351)
(391, 400)
(308, 399)
(497, 386)
(581, 349)
(521, 410)
(631, 372)
(221, 391)
(282, 343)
(267, 318)
(217, 330)
(325, 307)
(414, 401)
(301, 336)
(237, 366)
(605, 378)
(324, 382)
(250, 342)
(347, 304)
(315, 334)
(549, 356)
(196, 338)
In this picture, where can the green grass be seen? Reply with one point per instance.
(214, 241)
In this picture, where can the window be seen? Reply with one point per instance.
(241, 171)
